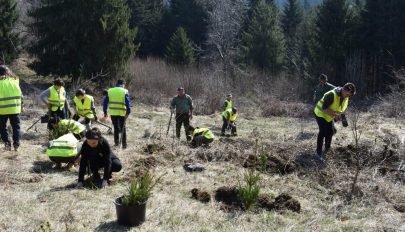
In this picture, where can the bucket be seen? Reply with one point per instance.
(130, 215)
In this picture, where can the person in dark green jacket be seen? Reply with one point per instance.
(323, 87)
(182, 105)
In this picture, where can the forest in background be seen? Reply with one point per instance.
(359, 41)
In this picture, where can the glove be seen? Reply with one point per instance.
(104, 184)
(79, 185)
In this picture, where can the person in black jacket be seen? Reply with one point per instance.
(97, 153)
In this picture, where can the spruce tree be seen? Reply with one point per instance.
(193, 16)
(9, 39)
(263, 41)
(146, 15)
(291, 20)
(179, 49)
(332, 38)
(81, 38)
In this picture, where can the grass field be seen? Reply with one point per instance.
(34, 196)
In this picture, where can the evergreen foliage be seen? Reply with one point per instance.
(179, 49)
(291, 19)
(81, 38)
(9, 39)
(263, 40)
(193, 16)
(146, 15)
(333, 41)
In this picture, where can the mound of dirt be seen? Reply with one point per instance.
(400, 208)
(280, 164)
(148, 162)
(227, 195)
(282, 203)
(154, 147)
(199, 195)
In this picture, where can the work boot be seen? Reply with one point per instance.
(16, 147)
(234, 134)
(7, 146)
(69, 166)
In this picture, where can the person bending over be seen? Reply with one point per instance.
(96, 152)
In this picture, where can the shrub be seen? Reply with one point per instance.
(140, 189)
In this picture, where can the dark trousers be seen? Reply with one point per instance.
(76, 117)
(119, 126)
(200, 140)
(325, 132)
(116, 166)
(62, 114)
(184, 119)
(15, 124)
(225, 125)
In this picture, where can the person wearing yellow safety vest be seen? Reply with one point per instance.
(11, 105)
(228, 102)
(55, 98)
(329, 109)
(118, 104)
(200, 136)
(84, 107)
(65, 126)
(63, 150)
(228, 117)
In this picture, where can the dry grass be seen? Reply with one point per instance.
(153, 82)
(36, 197)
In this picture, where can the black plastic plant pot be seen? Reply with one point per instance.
(130, 215)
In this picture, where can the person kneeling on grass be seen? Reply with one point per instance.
(200, 136)
(59, 127)
(96, 152)
(63, 150)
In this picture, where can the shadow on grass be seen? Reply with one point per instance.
(308, 161)
(46, 167)
(89, 184)
(111, 226)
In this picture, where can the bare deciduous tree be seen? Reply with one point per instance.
(226, 21)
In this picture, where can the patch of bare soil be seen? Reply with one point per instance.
(282, 203)
(227, 195)
(280, 163)
(200, 195)
(388, 161)
(153, 148)
(400, 208)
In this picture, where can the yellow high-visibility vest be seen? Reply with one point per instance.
(84, 108)
(228, 104)
(64, 146)
(207, 133)
(116, 101)
(10, 96)
(336, 106)
(229, 113)
(57, 100)
(71, 126)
